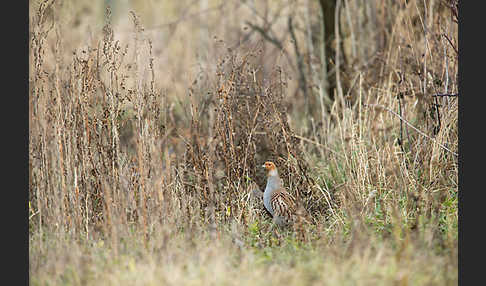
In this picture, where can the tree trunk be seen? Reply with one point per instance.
(327, 29)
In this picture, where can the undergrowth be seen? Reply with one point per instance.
(130, 184)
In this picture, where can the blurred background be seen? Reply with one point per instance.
(303, 36)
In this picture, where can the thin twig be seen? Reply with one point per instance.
(32, 215)
(413, 127)
(450, 95)
(450, 42)
(265, 35)
(264, 32)
(401, 122)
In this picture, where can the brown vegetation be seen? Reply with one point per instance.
(141, 169)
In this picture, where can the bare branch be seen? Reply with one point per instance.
(265, 35)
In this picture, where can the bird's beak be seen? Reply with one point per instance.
(263, 166)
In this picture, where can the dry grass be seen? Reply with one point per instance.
(141, 169)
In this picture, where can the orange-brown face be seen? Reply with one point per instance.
(269, 166)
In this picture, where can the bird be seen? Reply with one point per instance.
(279, 203)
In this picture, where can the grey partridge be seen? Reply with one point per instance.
(279, 203)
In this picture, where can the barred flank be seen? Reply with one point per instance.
(283, 204)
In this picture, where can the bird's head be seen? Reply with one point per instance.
(270, 168)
